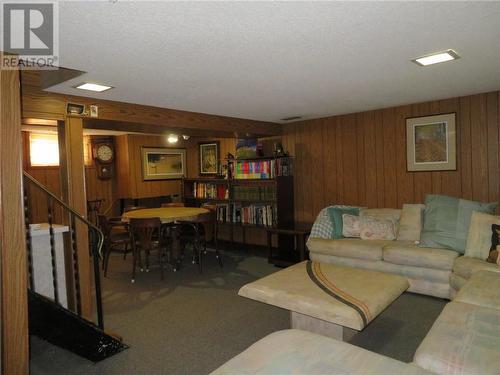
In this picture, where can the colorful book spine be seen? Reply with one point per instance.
(263, 169)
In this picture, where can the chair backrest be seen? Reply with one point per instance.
(173, 204)
(133, 208)
(143, 230)
(103, 224)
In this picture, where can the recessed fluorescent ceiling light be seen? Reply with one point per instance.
(435, 58)
(93, 87)
(291, 118)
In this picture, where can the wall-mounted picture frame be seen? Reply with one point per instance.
(246, 148)
(162, 163)
(431, 143)
(209, 155)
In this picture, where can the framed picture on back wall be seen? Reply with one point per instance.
(161, 163)
(431, 143)
(209, 158)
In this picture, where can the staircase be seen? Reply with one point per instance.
(48, 318)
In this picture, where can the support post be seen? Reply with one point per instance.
(72, 169)
(13, 269)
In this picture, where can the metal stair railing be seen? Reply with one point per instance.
(96, 241)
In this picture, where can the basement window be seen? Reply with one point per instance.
(44, 150)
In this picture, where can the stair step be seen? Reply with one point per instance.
(63, 328)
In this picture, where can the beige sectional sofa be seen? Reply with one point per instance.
(431, 271)
(464, 340)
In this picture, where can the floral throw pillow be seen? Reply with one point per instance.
(372, 228)
(350, 226)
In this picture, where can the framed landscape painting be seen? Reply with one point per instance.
(209, 158)
(431, 143)
(161, 163)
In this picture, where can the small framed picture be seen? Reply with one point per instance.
(431, 143)
(161, 163)
(246, 148)
(209, 158)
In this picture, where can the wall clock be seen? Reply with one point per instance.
(104, 155)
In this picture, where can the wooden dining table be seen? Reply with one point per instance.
(169, 215)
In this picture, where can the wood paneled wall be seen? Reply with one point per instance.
(130, 183)
(360, 158)
(50, 177)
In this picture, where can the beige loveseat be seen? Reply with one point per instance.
(431, 271)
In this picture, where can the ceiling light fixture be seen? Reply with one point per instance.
(436, 58)
(186, 137)
(93, 87)
(172, 138)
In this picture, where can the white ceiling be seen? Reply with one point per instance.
(266, 61)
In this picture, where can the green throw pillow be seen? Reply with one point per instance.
(447, 220)
(335, 213)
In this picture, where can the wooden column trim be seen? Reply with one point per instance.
(13, 270)
(72, 169)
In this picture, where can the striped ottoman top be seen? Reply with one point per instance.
(346, 296)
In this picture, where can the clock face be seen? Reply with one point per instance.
(104, 153)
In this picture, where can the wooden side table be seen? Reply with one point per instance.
(291, 244)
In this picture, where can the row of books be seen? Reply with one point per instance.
(256, 214)
(263, 169)
(223, 213)
(254, 193)
(210, 191)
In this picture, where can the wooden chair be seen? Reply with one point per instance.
(93, 209)
(198, 233)
(146, 236)
(116, 239)
(173, 204)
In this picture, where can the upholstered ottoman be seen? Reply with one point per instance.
(328, 299)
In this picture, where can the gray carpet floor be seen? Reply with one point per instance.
(191, 323)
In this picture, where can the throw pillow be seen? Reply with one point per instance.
(479, 237)
(495, 245)
(336, 213)
(372, 228)
(410, 224)
(393, 214)
(495, 236)
(323, 225)
(350, 226)
(447, 220)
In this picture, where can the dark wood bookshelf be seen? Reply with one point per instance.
(282, 200)
(275, 194)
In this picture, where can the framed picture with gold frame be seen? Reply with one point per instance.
(209, 158)
(431, 143)
(162, 163)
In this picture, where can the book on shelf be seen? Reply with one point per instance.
(205, 190)
(223, 213)
(253, 193)
(256, 214)
(263, 169)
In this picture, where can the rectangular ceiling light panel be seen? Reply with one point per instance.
(435, 58)
(93, 87)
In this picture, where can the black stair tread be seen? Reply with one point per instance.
(63, 328)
